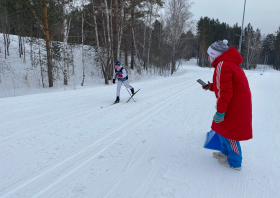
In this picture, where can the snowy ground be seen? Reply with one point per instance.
(19, 77)
(64, 144)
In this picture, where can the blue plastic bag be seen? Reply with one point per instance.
(212, 141)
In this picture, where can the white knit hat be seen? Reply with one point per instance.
(217, 48)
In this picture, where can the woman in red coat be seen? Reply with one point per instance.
(233, 119)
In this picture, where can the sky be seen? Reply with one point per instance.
(262, 14)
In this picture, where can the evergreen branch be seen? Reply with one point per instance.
(33, 11)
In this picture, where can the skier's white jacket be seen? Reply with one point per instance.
(122, 71)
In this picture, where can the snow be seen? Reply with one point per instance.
(73, 144)
(18, 78)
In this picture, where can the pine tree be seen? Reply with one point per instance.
(205, 39)
(277, 50)
(268, 50)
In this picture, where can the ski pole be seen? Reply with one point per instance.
(129, 93)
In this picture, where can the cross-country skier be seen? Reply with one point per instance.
(233, 119)
(122, 77)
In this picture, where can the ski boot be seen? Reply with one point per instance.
(132, 91)
(117, 100)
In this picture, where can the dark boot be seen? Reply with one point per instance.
(132, 91)
(117, 100)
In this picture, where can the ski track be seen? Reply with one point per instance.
(155, 152)
(84, 112)
(154, 113)
(123, 180)
(72, 155)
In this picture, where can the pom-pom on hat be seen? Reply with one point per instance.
(117, 63)
(217, 48)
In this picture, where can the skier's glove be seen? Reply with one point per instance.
(120, 75)
(219, 117)
(114, 81)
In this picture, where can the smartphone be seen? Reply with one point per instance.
(206, 86)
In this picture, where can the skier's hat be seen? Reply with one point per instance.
(117, 63)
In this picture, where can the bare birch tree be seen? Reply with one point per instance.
(178, 21)
(6, 34)
(116, 29)
(253, 46)
(65, 29)
(83, 53)
(132, 23)
(109, 67)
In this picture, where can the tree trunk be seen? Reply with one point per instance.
(48, 48)
(31, 47)
(116, 31)
(41, 67)
(109, 46)
(110, 67)
(125, 44)
(120, 32)
(247, 62)
(83, 59)
(144, 48)
(65, 38)
(97, 42)
(173, 60)
(5, 45)
(73, 65)
(150, 35)
(24, 60)
(132, 34)
(149, 47)
(6, 33)
(125, 51)
(19, 46)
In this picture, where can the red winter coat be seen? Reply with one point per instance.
(233, 95)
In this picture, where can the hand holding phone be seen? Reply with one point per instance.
(205, 86)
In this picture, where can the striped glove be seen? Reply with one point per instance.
(219, 117)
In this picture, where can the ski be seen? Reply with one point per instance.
(109, 105)
(132, 96)
(119, 102)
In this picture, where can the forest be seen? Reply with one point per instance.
(145, 35)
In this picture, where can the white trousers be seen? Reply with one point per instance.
(119, 85)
